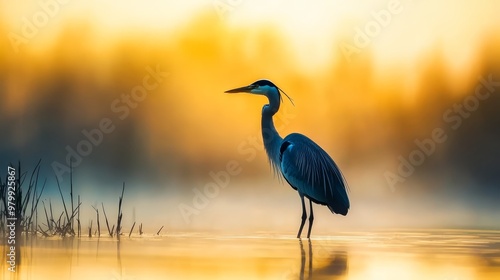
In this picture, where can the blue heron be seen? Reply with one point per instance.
(305, 166)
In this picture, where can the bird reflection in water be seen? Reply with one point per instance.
(336, 268)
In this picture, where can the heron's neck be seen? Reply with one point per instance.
(272, 140)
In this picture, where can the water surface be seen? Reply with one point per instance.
(395, 254)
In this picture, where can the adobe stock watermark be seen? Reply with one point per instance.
(221, 179)
(371, 29)
(30, 26)
(454, 117)
(122, 108)
(223, 7)
(12, 222)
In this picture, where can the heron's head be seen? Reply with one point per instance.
(262, 87)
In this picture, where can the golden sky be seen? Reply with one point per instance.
(355, 55)
(311, 27)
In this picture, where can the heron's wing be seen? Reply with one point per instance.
(309, 169)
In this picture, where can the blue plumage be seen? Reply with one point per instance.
(303, 164)
(312, 172)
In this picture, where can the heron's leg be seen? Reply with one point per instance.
(304, 216)
(311, 219)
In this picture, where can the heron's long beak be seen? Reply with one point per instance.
(240, 89)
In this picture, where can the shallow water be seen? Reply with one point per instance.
(402, 254)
